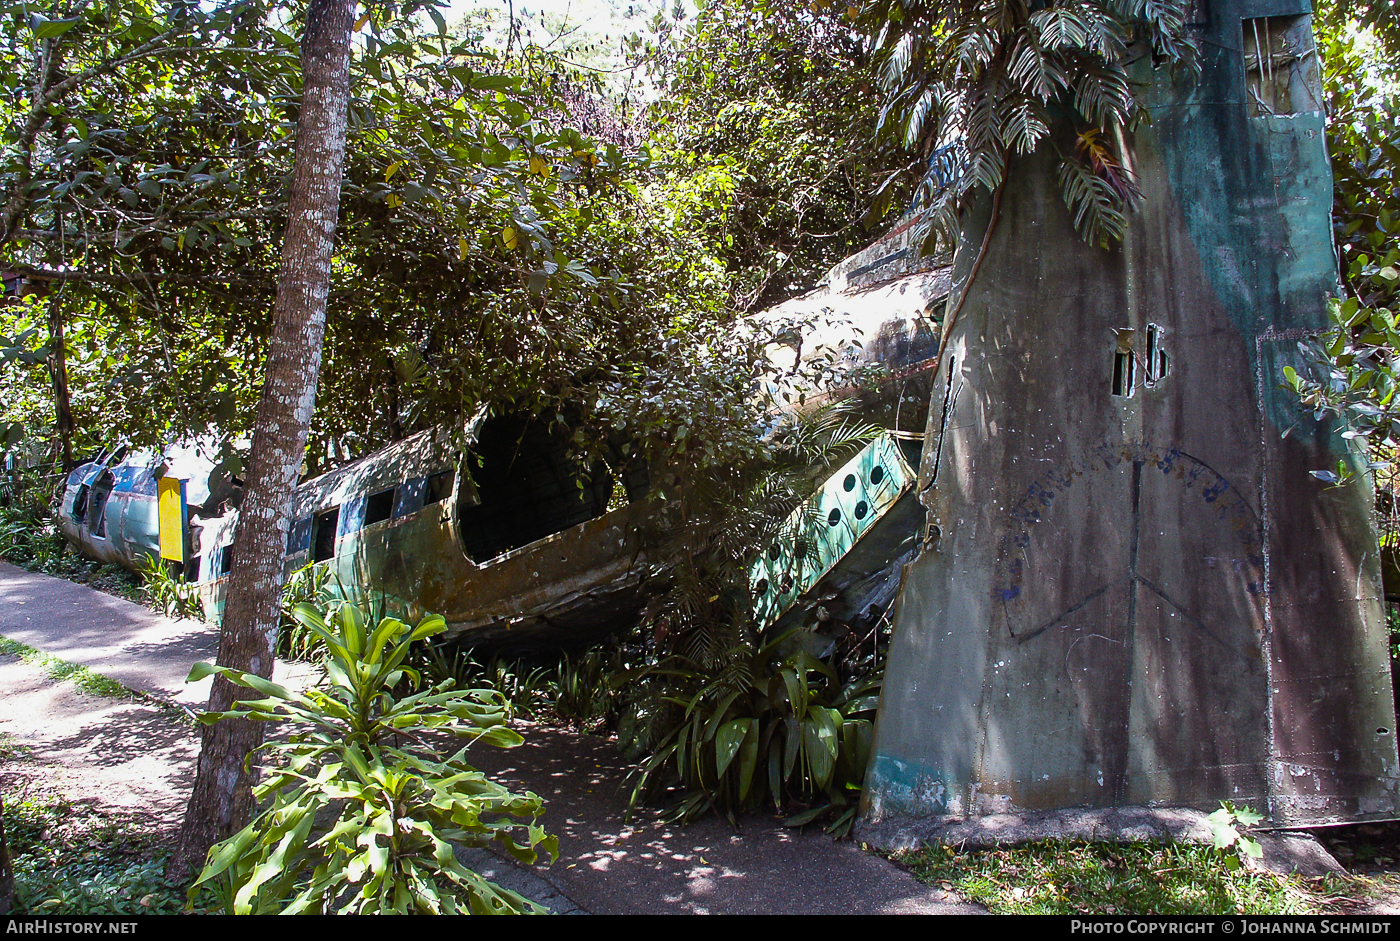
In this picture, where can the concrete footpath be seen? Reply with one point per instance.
(606, 866)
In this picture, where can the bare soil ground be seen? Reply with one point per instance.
(126, 758)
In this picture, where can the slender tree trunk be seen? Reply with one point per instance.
(58, 373)
(222, 801)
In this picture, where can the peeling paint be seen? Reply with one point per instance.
(1138, 595)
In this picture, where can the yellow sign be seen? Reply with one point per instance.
(170, 500)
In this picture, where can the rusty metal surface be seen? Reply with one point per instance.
(564, 589)
(880, 337)
(824, 530)
(1143, 598)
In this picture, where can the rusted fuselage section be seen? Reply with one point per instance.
(500, 530)
(518, 547)
(876, 322)
(1131, 592)
(526, 554)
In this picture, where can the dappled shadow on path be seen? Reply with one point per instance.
(609, 865)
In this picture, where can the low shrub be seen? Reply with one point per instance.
(350, 821)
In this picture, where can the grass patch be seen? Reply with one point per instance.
(11, 750)
(1065, 877)
(75, 860)
(88, 681)
(57, 669)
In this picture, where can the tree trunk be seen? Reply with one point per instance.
(222, 801)
(58, 373)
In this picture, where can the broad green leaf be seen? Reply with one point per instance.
(731, 735)
(49, 29)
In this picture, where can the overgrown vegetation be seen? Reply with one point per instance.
(725, 713)
(496, 253)
(765, 139)
(167, 592)
(1354, 366)
(980, 84)
(76, 860)
(1066, 877)
(395, 812)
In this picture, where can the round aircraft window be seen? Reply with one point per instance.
(861, 509)
(877, 474)
(849, 483)
(834, 517)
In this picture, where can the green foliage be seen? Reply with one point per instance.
(1064, 877)
(526, 689)
(583, 693)
(74, 861)
(1228, 826)
(1352, 375)
(995, 79)
(308, 585)
(1352, 367)
(730, 718)
(771, 725)
(28, 536)
(388, 816)
(489, 253)
(718, 520)
(167, 593)
(766, 139)
(143, 149)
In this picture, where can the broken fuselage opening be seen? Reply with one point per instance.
(500, 530)
(528, 486)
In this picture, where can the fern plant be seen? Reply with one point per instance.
(978, 82)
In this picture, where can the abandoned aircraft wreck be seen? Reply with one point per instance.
(1113, 580)
(528, 549)
(1130, 591)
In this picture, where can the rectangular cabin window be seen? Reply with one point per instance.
(408, 497)
(379, 507)
(323, 538)
(439, 488)
(225, 560)
(196, 564)
(299, 536)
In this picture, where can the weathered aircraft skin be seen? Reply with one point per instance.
(518, 553)
(109, 509)
(877, 319)
(1131, 592)
(397, 525)
(108, 504)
